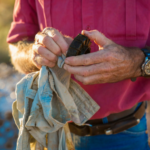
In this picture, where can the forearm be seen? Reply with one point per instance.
(21, 56)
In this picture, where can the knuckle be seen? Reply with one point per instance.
(86, 61)
(45, 62)
(49, 31)
(39, 49)
(65, 47)
(114, 48)
(45, 40)
(54, 58)
(55, 37)
(52, 65)
(108, 57)
(58, 51)
(96, 32)
(109, 69)
(85, 73)
(47, 28)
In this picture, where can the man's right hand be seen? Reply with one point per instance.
(49, 44)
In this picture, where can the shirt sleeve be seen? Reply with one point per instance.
(25, 22)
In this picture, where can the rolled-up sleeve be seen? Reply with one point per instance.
(25, 22)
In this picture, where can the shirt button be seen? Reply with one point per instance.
(88, 27)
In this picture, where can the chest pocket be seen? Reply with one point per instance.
(126, 19)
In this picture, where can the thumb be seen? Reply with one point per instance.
(68, 39)
(96, 36)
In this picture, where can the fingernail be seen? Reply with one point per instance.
(82, 32)
(86, 32)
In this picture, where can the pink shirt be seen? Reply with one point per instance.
(126, 22)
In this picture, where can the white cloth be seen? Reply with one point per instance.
(46, 101)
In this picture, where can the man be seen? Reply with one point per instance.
(105, 73)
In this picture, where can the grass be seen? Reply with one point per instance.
(6, 11)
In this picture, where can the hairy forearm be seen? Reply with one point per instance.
(21, 56)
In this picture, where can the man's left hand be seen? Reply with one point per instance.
(112, 63)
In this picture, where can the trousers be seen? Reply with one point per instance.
(134, 138)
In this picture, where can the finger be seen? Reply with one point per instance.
(48, 42)
(35, 62)
(85, 60)
(68, 39)
(58, 39)
(90, 70)
(40, 61)
(94, 79)
(44, 52)
(97, 37)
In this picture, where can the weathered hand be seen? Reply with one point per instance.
(48, 45)
(112, 63)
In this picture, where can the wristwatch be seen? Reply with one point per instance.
(146, 64)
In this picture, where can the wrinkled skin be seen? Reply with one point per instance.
(48, 45)
(112, 63)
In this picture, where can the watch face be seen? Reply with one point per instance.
(147, 67)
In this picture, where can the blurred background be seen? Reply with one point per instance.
(6, 9)
(8, 79)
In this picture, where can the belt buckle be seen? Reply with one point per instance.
(108, 131)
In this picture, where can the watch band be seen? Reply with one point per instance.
(146, 52)
(147, 58)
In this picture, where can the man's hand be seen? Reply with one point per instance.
(48, 45)
(112, 63)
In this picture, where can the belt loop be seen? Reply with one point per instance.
(105, 120)
(130, 19)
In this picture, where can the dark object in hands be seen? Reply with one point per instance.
(80, 45)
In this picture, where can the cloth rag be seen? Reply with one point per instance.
(45, 102)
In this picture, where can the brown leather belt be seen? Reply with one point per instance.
(117, 123)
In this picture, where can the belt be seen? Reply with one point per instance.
(96, 127)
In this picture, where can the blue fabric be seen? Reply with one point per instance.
(105, 120)
(134, 138)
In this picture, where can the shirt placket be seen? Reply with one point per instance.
(88, 17)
